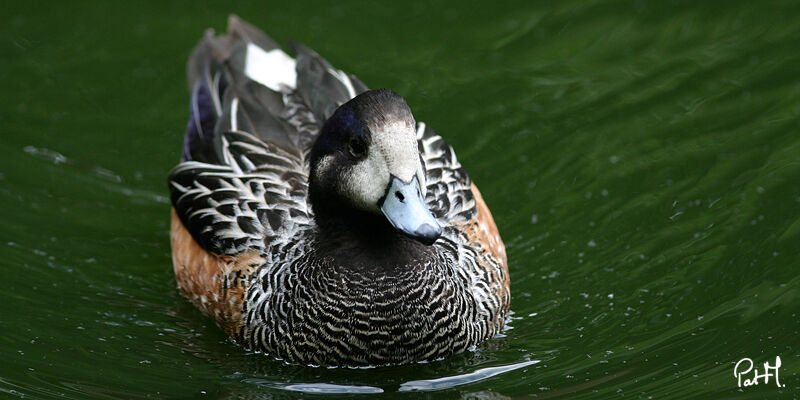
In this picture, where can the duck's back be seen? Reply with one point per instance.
(246, 248)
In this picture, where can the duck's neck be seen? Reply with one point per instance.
(361, 239)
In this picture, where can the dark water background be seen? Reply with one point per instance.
(642, 160)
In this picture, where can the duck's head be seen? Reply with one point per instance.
(366, 160)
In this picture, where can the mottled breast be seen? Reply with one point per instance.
(320, 310)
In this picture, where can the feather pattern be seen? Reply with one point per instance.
(242, 189)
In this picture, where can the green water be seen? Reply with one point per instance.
(642, 161)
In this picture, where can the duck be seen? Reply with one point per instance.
(317, 221)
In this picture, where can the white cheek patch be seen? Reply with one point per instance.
(366, 182)
(393, 152)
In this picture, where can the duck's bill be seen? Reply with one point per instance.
(405, 209)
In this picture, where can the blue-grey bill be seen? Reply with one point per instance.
(405, 209)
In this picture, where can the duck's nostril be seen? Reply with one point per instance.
(399, 196)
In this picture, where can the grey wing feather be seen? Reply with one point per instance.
(244, 177)
(323, 87)
(244, 204)
(218, 81)
(449, 192)
(239, 29)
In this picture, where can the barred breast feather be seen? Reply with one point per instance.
(247, 250)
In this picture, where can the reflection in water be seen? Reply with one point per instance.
(458, 380)
(415, 385)
(316, 388)
(328, 388)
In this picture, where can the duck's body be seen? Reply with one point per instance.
(312, 250)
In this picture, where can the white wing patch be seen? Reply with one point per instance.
(273, 69)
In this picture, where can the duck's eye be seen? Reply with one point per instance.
(357, 148)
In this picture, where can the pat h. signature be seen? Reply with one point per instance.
(745, 366)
